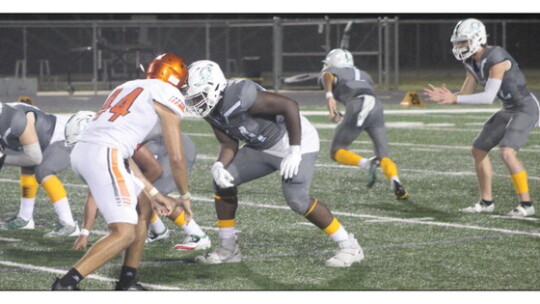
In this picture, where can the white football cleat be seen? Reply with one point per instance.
(522, 211)
(349, 252)
(153, 237)
(64, 230)
(16, 223)
(479, 207)
(227, 252)
(194, 242)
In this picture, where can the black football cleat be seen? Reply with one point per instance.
(57, 286)
(399, 191)
(133, 286)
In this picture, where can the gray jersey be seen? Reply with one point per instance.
(350, 83)
(513, 92)
(165, 183)
(44, 124)
(231, 116)
(12, 125)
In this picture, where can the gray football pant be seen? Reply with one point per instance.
(55, 160)
(249, 164)
(346, 131)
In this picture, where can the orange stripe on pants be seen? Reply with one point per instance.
(119, 182)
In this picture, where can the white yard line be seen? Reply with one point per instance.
(92, 276)
(420, 221)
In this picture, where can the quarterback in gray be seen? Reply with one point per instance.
(165, 183)
(511, 126)
(499, 75)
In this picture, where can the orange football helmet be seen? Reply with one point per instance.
(168, 68)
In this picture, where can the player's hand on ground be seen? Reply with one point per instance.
(163, 205)
(441, 94)
(81, 242)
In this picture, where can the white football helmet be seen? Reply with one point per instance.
(471, 30)
(76, 125)
(206, 84)
(338, 58)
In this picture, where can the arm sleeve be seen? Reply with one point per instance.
(492, 87)
(31, 156)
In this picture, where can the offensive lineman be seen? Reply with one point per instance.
(40, 159)
(493, 68)
(277, 138)
(126, 119)
(344, 82)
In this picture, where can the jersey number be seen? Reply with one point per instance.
(121, 108)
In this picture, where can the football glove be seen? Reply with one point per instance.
(290, 163)
(221, 176)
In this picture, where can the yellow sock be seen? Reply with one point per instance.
(520, 182)
(154, 217)
(226, 223)
(29, 186)
(389, 168)
(333, 227)
(181, 219)
(54, 188)
(347, 157)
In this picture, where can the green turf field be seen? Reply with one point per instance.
(422, 243)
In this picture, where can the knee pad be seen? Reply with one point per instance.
(224, 193)
(298, 201)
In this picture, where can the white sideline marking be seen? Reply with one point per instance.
(393, 219)
(92, 276)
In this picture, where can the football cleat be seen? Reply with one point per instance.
(153, 237)
(227, 252)
(399, 191)
(17, 223)
(372, 171)
(522, 211)
(64, 230)
(57, 286)
(479, 207)
(132, 287)
(349, 252)
(194, 242)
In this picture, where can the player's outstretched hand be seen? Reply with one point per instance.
(441, 94)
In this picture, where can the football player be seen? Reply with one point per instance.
(102, 158)
(34, 140)
(276, 137)
(345, 83)
(494, 69)
(152, 159)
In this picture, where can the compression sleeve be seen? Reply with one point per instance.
(492, 87)
(31, 156)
